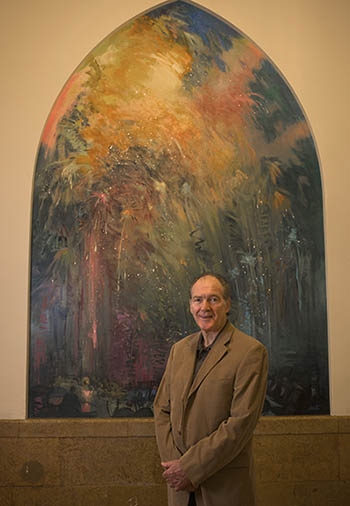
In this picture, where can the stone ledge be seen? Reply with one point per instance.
(80, 428)
(298, 425)
(9, 428)
(344, 424)
(131, 427)
(61, 428)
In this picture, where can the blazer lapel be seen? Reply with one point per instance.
(189, 360)
(215, 355)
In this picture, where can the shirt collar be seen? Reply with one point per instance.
(201, 348)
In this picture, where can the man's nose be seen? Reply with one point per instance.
(205, 304)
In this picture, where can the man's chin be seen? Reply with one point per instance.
(205, 324)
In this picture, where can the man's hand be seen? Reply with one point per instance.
(175, 476)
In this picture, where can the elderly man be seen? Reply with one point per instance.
(208, 404)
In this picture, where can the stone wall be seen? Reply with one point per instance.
(300, 461)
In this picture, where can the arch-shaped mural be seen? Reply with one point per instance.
(175, 147)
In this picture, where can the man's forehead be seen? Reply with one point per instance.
(207, 284)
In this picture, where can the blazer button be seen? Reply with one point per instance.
(179, 431)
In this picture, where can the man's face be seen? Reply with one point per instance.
(208, 305)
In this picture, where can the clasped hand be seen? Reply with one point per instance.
(175, 477)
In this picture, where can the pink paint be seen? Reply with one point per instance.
(87, 397)
(101, 198)
(93, 334)
(39, 355)
(93, 273)
(61, 107)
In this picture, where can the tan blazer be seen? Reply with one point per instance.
(209, 424)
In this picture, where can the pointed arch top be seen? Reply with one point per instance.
(175, 147)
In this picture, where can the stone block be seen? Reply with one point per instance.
(296, 458)
(110, 461)
(29, 462)
(328, 493)
(344, 456)
(297, 425)
(275, 494)
(6, 496)
(91, 496)
(344, 424)
(142, 428)
(137, 496)
(9, 428)
(45, 496)
(324, 493)
(73, 428)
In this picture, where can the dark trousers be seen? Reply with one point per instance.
(192, 501)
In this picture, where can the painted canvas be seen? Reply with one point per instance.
(176, 147)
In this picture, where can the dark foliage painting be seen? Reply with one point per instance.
(176, 147)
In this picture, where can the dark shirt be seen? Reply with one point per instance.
(203, 352)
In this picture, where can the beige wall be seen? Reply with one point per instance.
(43, 41)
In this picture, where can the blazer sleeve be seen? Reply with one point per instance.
(222, 446)
(166, 446)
